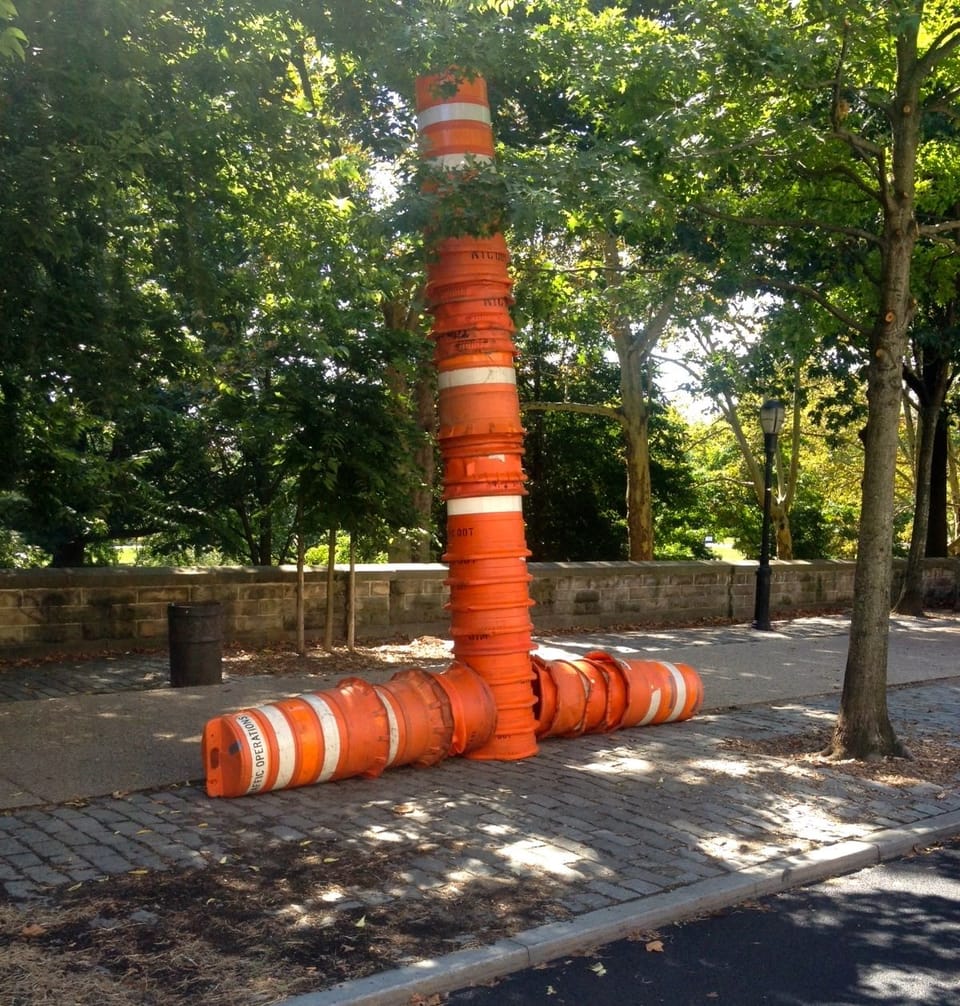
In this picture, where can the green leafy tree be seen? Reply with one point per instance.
(832, 104)
(12, 38)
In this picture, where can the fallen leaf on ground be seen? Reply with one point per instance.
(655, 947)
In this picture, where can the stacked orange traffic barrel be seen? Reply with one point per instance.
(481, 436)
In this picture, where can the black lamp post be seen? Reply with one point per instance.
(772, 414)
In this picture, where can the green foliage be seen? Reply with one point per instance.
(196, 259)
(193, 263)
(368, 549)
(682, 515)
(12, 38)
(576, 507)
(15, 553)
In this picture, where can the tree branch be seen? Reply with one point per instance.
(816, 296)
(944, 225)
(942, 47)
(583, 408)
(802, 224)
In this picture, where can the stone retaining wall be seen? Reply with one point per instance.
(76, 609)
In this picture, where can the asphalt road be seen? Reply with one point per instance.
(886, 936)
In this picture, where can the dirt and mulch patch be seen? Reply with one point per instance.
(428, 652)
(255, 929)
(934, 758)
(274, 658)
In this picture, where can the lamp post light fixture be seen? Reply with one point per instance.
(772, 414)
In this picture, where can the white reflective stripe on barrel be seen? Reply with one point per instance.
(286, 745)
(459, 160)
(680, 690)
(476, 375)
(259, 752)
(392, 723)
(331, 735)
(453, 111)
(651, 709)
(484, 504)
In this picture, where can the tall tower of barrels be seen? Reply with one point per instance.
(481, 436)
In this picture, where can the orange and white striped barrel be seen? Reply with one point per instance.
(453, 119)
(485, 526)
(658, 691)
(312, 738)
(415, 718)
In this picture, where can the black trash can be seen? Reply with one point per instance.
(196, 643)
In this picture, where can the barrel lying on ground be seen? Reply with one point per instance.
(421, 717)
(354, 729)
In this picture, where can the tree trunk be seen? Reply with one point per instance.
(425, 459)
(301, 584)
(331, 586)
(415, 544)
(639, 489)
(953, 480)
(863, 728)
(783, 534)
(352, 595)
(633, 344)
(938, 535)
(932, 395)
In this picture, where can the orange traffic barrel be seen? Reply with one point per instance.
(453, 116)
(475, 439)
(455, 342)
(490, 312)
(421, 713)
(478, 613)
(657, 691)
(580, 698)
(599, 693)
(472, 704)
(454, 143)
(480, 636)
(562, 692)
(313, 738)
(485, 526)
(474, 535)
(489, 475)
(462, 481)
(481, 299)
(460, 354)
(489, 572)
(487, 407)
(509, 677)
(449, 85)
(473, 289)
(607, 701)
(470, 259)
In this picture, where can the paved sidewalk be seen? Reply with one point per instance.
(629, 830)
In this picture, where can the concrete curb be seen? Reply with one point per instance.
(536, 946)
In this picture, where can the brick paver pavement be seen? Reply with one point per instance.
(604, 819)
